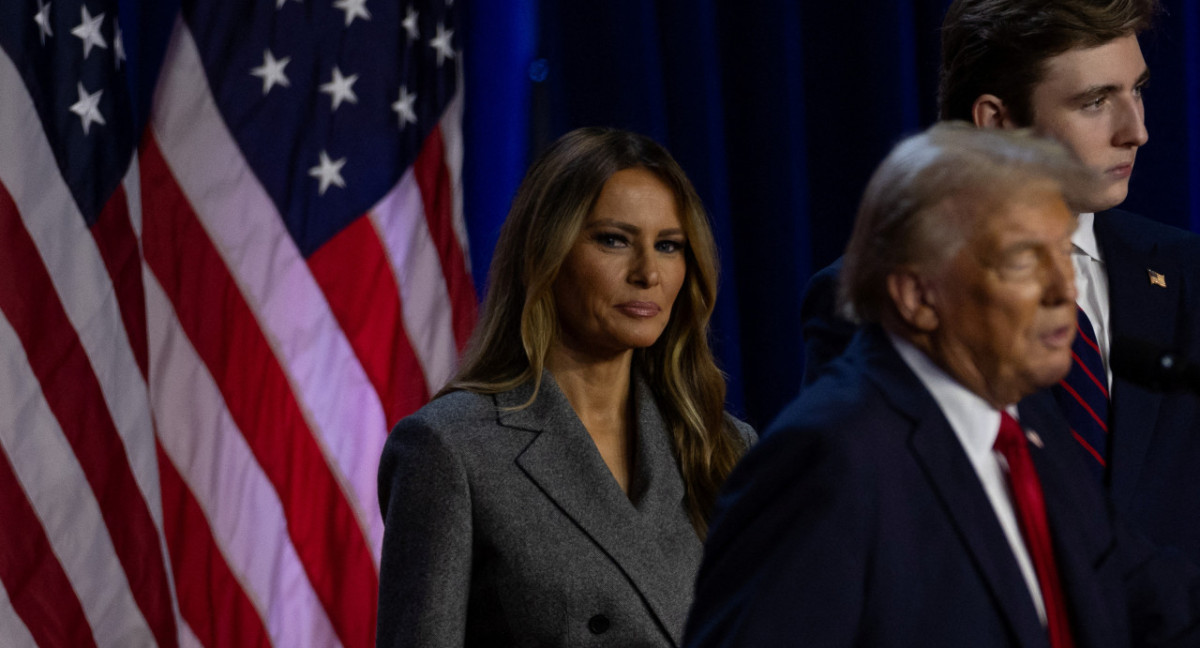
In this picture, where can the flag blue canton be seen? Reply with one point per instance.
(329, 100)
(71, 57)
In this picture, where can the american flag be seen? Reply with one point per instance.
(208, 322)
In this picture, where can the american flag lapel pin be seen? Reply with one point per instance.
(1157, 278)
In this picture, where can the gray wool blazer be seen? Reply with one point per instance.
(506, 528)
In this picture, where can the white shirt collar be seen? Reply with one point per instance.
(974, 421)
(1084, 238)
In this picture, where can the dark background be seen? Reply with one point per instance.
(778, 111)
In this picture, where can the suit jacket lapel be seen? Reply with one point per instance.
(940, 455)
(1079, 542)
(565, 464)
(1142, 311)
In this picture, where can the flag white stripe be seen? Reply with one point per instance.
(12, 628)
(133, 192)
(49, 473)
(424, 298)
(451, 127)
(29, 171)
(244, 512)
(338, 400)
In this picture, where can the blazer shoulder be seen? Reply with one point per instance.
(1135, 227)
(455, 408)
(746, 431)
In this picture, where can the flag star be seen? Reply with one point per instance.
(88, 108)
(89, 32)
(328, 172)
(441, 43)
(42, 18)
(340, 88)
(404, 107)
(118, 44)
(410, 24)
(354, 9)
(271, 71)
(279, 3)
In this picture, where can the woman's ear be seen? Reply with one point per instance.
(913, 299)
(989, 111)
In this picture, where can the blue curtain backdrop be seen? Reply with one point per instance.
(778, 111)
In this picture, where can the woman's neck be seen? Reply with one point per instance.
(599, 391)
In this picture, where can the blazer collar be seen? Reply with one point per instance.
(1140, 310)
(565, 464)
(940, 455)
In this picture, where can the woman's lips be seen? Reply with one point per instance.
(640, 309)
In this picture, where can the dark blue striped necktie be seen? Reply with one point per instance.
(1083, 395)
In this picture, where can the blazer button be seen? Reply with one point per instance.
(598, 624)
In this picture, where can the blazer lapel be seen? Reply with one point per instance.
(565, 464)
(1141, 310)
(940, 455)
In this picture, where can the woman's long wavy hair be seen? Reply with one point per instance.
(519, 321)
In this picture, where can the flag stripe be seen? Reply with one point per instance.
(200, 438)
(210, 598)
(74, 394)
(353, 271)
(428, 316)
(39, 590)
(13, 629)
(436, 190)
(68, 512)
(225, 333)
(69, 251)
(276, 282)
(118, 247)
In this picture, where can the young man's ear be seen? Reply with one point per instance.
(989, 111)
(913, 300)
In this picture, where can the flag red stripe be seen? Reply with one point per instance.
(434, 180)
(353, 271)
(118, 246)
(225, 334)
(73, 393)
(37, 585)
(211, 600)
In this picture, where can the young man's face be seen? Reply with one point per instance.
(1091, 101)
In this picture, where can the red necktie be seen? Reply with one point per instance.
(1031, 514)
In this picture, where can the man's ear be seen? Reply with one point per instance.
(989, 111)
(913, 299)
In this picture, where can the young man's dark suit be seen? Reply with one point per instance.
(858, 520)
(1154, 452)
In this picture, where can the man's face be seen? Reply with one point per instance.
(1091, 101)
(1005, 301)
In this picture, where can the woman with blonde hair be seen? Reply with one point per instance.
(558, 490)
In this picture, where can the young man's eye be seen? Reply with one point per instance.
(1094, 104)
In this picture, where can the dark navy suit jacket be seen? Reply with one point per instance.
(858, 520)
(1154, 453)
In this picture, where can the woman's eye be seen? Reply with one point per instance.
(610, 240)
(669, 246)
